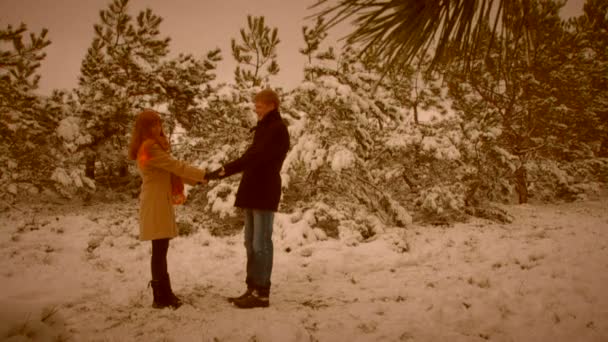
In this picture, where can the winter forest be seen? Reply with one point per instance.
(453, 191)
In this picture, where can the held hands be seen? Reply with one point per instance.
(217, 174)
(204, 181)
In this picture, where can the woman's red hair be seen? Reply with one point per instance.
(142, 131)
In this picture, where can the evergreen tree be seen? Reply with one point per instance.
(588, 69)
(256, 50)
(185, 82)
(418, 90)
(537, 96)
(27, 121)
(19, 62)
(313, 37)
(118, 78)
(339, 123)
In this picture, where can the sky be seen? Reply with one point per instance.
(194, 26)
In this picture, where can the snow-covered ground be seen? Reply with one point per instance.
(76, 273)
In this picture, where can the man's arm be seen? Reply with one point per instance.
(268, 147)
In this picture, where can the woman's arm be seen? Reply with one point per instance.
(190, 181)
(160, 159)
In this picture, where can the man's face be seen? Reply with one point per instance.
(262, 108)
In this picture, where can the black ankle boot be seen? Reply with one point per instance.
(171, 299)
(163, 296)
(159, 301)
(245, 294)
(254, 300)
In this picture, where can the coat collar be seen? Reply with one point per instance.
(273, 115)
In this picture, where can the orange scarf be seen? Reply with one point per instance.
(177, 185)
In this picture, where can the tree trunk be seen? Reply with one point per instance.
(90, 166)
(603, 152)
(522, 184)
(123, 170)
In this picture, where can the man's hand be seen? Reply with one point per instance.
(217, 174)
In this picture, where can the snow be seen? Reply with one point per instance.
(438, 198)
(179, 135)
(227, 93)
(342, 159)
(12, 188)
(221, 199)
(403, 217)
(330, 88)
(201, 103)
(399, 139)
(296, 230)
(216, 160)
(75, 178)
(307, 150)
(162, 108)
(307, 86)
(72, 272)
(396, 141)
(297, 127)
(69, 129)
(61, 176)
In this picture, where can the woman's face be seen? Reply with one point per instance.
(156, 129)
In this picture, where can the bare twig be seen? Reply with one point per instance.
(12, 206)
(48, 313)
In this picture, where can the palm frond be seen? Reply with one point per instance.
(402, 30)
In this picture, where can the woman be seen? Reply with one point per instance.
(161, 188)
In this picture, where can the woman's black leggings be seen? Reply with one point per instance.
(159, 258)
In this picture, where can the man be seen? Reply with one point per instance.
(258, 194)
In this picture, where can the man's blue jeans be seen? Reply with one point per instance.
(258, 242)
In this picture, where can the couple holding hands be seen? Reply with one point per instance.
(258, 195)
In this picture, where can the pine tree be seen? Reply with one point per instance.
(537, 96)
(185, 82)
(256, 51)
(588, 69)
(418, 90)
(341, 123)
(118, 78)
(18, 66)
(27, 126)
(313, 37)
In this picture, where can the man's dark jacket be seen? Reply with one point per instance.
(261, 164)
